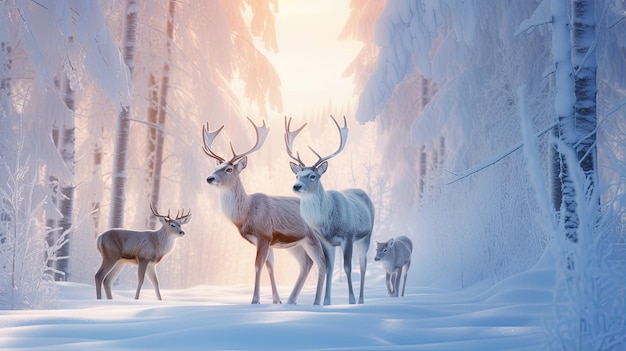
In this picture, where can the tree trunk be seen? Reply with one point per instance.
(66, 201)
(158, 130)
(118, 186)
(422, 170)
(152, 118)
(585, 87)
(564, 105)
(52, 233)
(97, 174)
(576, 102)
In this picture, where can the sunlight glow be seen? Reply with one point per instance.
(311, 58)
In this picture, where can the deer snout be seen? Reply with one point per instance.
(297, 188)
(181, 233)
(211, 179)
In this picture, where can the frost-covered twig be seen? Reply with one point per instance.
(468, 172)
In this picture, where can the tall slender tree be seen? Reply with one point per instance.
(66, 201)
(576, 67)
(156, 132)
(118, 187)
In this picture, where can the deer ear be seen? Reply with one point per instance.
(295, 168)
(391, 242)
(162, 220)
(321, 169)
(242, 163)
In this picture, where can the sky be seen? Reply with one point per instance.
(311, 58)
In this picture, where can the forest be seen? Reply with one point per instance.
(493, 134)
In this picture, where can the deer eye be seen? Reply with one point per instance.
(312, 177)
(229, 170)
(172, 225)
(384, 250)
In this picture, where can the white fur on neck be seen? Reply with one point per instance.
(235, 203)
(316, 208)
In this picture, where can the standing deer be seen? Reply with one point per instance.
(342, 218)
(265, 221)
(395, 255)
(146, 249)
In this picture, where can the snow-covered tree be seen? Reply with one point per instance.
(483, 216)
(56, 48)
(122, 135)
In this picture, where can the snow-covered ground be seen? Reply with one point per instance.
(508, 316)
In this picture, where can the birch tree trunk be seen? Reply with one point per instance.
(66, 200)
(62, 191)
(118, 186)
(580, 270)
(575, 101)
(157, 131)
(95, 202)
(152, 118)
(585, 87)
(564, 106)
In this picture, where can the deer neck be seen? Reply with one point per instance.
(316, 208)
(164, 243)
(236, 202)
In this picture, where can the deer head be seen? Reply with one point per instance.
(172, 225)
(308, 177)
(227, 172)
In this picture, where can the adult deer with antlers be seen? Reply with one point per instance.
(341, 218)
(146, 249)
(265, 221)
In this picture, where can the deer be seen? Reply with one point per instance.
(265, 221)
(340, 218)
(146, 249)
(395, 256)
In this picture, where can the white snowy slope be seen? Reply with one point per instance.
(508, 316)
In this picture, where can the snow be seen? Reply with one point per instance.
(508, 316)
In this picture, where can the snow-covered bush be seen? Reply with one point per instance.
(26, 281)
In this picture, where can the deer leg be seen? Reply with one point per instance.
(269, 265)
(396, 281)
(154, 280)
(316, 253)
(405, 271)
(262, 248)
(101, 274)
(329, 258)
(305, 262)
(110, 278)
(141, 273)
(347, 267)
(388, 282)
(362, 246)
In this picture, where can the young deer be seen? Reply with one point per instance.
(341, 218)
(143, 248)
(395, 255)
(265, 221)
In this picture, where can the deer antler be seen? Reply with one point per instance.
(290, 136)
(179, 216)
(156, 213)
(182, 215)
(343, 134)
(209, 137)
(261, 133)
